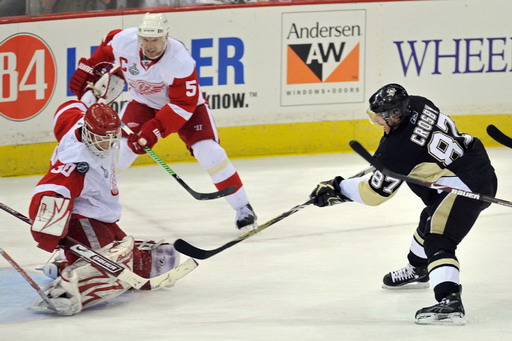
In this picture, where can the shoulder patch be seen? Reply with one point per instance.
(82, 167)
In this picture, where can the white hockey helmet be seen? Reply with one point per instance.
(154, 25)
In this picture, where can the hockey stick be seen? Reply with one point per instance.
(196, 195)
(499, 136)
(195, 252)
(358, 148)
(115, 270)
(29, 279)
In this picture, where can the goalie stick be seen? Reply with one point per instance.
(195, 252)
(499, 136)
(196, 195)
(29, 279)
(166, 279)
(359, 149)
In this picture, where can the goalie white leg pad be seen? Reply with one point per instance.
(81, 285)
(163, 259)
(95, 285)
(64, 295)
(155, 258)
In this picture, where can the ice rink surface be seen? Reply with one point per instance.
(315, 275)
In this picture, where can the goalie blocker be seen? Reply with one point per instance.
(50, 224)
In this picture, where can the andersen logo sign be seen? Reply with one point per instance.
(322, 57)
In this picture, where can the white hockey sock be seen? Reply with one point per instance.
(213, 158)
(416, 248)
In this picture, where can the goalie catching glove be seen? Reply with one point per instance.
(108, 86)
(106, 79)
(328, 193)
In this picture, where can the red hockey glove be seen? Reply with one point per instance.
(148, 136)
(83, 74)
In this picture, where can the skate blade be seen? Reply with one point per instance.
(415, 285)
(248, 228)
(457, 319)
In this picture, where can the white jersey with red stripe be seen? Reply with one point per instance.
(168, 84)
(150, 82)
(76, 173)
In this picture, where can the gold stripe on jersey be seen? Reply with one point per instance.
(443, 262)
(440, 216)
(429, 171)
(369, 196)
(418, 238)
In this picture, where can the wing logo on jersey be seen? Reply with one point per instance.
(146, 88)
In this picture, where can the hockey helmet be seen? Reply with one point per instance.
(390, 101)
(154, 25)
(101, 130)
(153, 33)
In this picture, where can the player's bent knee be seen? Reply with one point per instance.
(435, 243)
(209, 153)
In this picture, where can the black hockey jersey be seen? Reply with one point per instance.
(426, 145)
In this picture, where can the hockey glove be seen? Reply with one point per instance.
(83, 74)
(148, 136)
(327, 193)
(109, 86)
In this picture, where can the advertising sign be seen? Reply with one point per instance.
(323, 57)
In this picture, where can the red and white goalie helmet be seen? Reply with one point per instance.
(102, 129)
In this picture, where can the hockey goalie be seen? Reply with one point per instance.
(78, 198)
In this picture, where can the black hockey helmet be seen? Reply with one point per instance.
(390, 101)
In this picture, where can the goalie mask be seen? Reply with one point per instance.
(153, 32)
(102, 129)
(390, 101)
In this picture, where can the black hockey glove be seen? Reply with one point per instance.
(327, 193)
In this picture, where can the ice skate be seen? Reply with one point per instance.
(408, 277)
(246, 218)
(449, 311)
(64, 296)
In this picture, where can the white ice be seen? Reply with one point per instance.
(315, 275)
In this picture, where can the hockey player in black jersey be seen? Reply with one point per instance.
(421, 142)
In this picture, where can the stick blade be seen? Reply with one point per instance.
(499, 136)
(190, 250)
(214, 195)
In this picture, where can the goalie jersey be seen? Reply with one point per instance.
(426, 146)
(78, 174)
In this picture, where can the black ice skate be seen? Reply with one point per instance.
(449, 311)
(246, 218)
(408, 277)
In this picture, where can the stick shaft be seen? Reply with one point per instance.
(195, 252)
(165, 166)
(29, 279)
